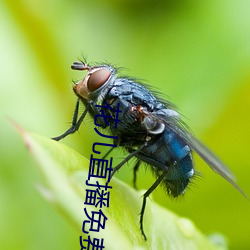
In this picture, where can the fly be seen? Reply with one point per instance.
(151, 130)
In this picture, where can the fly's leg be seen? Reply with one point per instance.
(75, 123)
(104, 157)
(132, 154)
(90, 107)
(145, 196)
(136, 167)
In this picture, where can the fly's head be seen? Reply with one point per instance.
(96, 79)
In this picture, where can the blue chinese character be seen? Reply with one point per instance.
(98, 185)
(96, 244)
(98, 222)
(99, 168)
(103, 144)
(105, 116)
(97, 198)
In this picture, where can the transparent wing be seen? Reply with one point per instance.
(175, 124)
(207, 155)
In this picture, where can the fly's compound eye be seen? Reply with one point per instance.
(97, 79)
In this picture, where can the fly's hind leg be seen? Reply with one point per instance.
(136, 167)
(145, 196)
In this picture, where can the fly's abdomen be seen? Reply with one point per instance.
(178, 176)
(171, 155)
(180, 166)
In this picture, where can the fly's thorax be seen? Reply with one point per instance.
(152, 125)
(154, 122)
(95, 84)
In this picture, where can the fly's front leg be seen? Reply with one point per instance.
(90, 107)
(75, 123)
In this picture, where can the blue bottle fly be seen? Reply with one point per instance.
(150, 129)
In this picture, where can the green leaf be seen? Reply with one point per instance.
(65, 172)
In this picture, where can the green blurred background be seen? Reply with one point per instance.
(195, 52)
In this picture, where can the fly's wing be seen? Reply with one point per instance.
(175, 124)
(212, 160)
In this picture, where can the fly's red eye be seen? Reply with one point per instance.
(97, 79)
